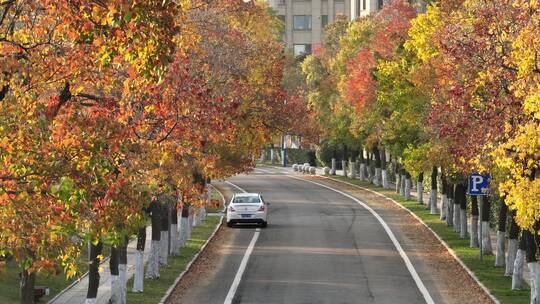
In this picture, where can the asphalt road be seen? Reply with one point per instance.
(320, 247)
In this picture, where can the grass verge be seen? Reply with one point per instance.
(154, 290)
(9, 279)
(492, 277)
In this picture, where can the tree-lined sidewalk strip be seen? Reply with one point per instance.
(488, 277)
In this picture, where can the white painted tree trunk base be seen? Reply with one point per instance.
(433, 202)
(511, 257)
(190, 226)
(457, 220)
(116, 290)
(463, 221)
(398, 183)
(138, 278)
(474, 232)
(152, 268)
(183, 231)
(90, 301)
(377, 180)
(164, 250)
(420, 192)
(407, 190)
(122, 276)
(333, 169)
(384, 176)
(352, 174)
(362, 171)
(443, 208)
(403, 182)
(534, 270)
(517, 275)
(175, 243)
(500, 256)
(487, 249)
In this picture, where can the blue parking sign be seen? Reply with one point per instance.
(479, 184)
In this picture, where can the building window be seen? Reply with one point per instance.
(324, 21)
(301, 49)
(302, 22)
(364, 5)
(381, 4)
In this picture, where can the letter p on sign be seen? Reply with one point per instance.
(478, 184)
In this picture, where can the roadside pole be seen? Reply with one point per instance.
(481, 202)
(479, 186)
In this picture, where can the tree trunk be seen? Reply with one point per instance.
(28, 282)
(138, 279)
(122, 270)
(116, 285)
(377, 180)
(152, 269)
(500, 257)
(164, 250)
(175, 243)
(398, 178)
(408, 185)
(384, 173)
(456, 218)
(463, 211)
(333, 169)
(420, 188)
(450, 205)
(93, 273)
(362, 173)
(272, 154)
(352, 174)
(512, 246)
(403, 182)
(517, 275)
(184, 222)
(444, 197)
(344, 160)
(190, 223)
(433, 193)
(474, 222)
(487, 249)
(531, 241)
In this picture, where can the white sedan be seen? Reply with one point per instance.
(247, 208)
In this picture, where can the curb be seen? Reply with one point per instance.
(194, 259)
(450, 250)
(188, 266)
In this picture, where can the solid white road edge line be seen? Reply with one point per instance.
(238, 277)
(393, 238)
(241, 190)
(241, 268)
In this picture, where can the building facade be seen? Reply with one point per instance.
(305, 19)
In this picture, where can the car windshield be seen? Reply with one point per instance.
(246, 200)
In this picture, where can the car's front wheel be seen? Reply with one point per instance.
(264, 224)
(230, 224)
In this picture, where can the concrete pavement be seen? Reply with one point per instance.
(319, 247)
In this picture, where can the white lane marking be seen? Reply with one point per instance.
(402, 253)
(241, 269)
(263, 170)
(241, 190)
(238, 277)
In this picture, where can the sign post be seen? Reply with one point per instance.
(479, 186)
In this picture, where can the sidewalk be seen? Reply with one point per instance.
(76, 293)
